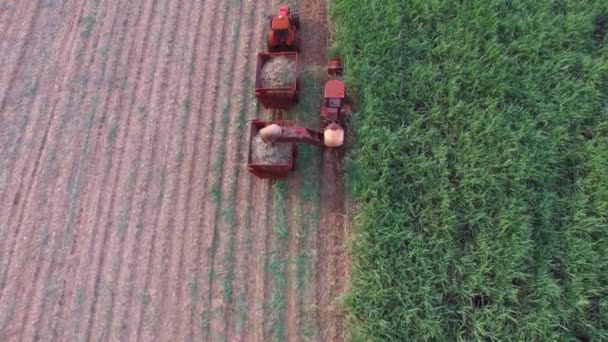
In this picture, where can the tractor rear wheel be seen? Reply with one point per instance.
(296, 20)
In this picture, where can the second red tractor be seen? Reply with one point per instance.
(284, 34)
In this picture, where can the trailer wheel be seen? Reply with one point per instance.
(296, 97)
(297, 42)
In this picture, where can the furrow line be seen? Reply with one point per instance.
(209, 105)
(76, 292)
(139, 186)
(245, 193)
(196, 181)
(113, 104)
(11, 127)
(159, 288)
(235, 324)
(93, 211)
(11, 193)
(291, 318)
(39, 105)
(221, 289)
(8, 75)
(114, 135)
(60, 265)
(7, 16)
(238, 183)
(150, 205)
(101, 295)
(261, 221)
(187, 281)
(172, 218)
(35, 177)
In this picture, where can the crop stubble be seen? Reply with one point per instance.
(125, 212)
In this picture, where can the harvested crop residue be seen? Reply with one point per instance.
(270, 153)
(278, 72)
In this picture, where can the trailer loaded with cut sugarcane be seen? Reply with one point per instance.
(272, 142)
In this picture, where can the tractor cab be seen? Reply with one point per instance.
(280, 26)
(334, 107)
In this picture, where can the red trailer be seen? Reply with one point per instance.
(289, 134)
(276, 98)
(271, 171)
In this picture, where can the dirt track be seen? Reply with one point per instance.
(126, 210)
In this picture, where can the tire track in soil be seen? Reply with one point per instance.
(159, 138)
(144, 81)
(291, 317)
(7, 16)
(48, 132)
(55, 265)
(148, 276)
(205, 221)
(332, 264)
(234, 316)
(271, 240)
(172, 281)
(9, 35)
(213, 314)
(256, 277)
(112, 104)
(219, 41)
(258, 264)
(331, 268)
(26, 83)
(176, 260)
(7, 80)
(132, 239)
(114, 130)
(56, 276)
(180, 323)
(227, 222)
(80, 175)
(8, 75)
(27, 124)
(167, 206)
(197, 172)
(38, 105)
(92, 214)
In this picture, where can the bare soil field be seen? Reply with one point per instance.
(126, 211)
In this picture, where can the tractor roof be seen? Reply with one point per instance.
(283, 10)
(334, 89)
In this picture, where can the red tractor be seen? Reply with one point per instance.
(284, 34)
(334, 108)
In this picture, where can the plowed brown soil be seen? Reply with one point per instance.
(126, 211)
